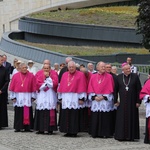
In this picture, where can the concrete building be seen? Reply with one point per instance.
(12, 10)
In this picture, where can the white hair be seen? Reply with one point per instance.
(71, 62)
(77, 65)
(114, 67)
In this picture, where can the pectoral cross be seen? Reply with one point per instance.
(127, 88)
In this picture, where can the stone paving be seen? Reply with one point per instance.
(9, 140)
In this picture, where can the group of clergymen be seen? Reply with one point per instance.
(98, 101)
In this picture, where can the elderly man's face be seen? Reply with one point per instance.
(72, 68)
(4, 58)
(91, 67)
(126, 70)
(56, 66)
(23, 69)
(101, 67)
(46, 68)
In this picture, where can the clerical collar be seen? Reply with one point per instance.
(126, 75)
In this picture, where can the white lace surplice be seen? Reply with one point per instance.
(46, 98)
(22, 99)
(104, 105)
(147, 105)
(71, 100)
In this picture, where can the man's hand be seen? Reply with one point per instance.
(0, 92)
(81, 102)
(14, 100)
(138, 105)
(32, 99)
(99, 98)
(117, 104)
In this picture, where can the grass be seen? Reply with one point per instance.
(85, 51)
(121, 16)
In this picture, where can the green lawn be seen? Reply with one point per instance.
(85, 50)
(122, 16)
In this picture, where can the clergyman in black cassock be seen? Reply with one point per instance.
(4, 81)
(127, 117)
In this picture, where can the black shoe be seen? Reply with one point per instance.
(73, 135)
(101, 136)
(94, 136)
(67, 135)
(107, 137)
(7, 102)
(17, 131)
(40, 132)
(50, 133)
(28, 130)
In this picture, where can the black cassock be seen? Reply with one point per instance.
(127, 117)
(4, 81)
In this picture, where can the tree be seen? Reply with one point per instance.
(143, 22)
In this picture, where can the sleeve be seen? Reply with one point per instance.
(49, 82)
(33, 95)
(5, 86)
(145, 99)
(43, 86)
(108, 97)
(90, 96)
(9, 69)
(54, 78)
(59, 96)
(116, 89)
(12, 95)
(82, 96)
(138, 89)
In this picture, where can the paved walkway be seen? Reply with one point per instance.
(9, 140)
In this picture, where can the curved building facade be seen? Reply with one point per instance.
(12, 10)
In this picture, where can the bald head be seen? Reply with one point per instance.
(46, 61)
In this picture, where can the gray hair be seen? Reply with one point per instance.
(99, 63)
(68, 59)
(22, 64)
(71, 62)
(89, 64)
(77, 65)
(114, 67)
